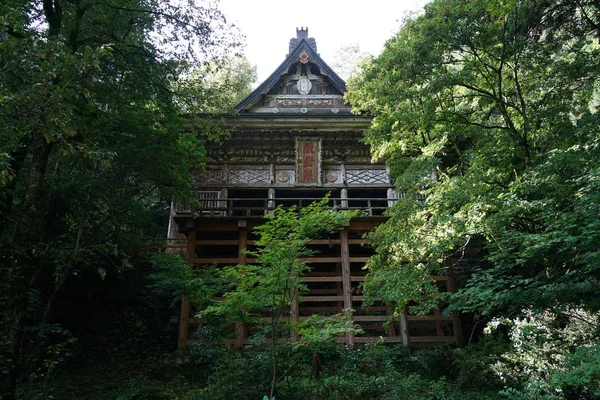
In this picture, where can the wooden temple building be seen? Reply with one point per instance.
(294, 140)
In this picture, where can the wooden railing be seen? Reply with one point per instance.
(254, 207)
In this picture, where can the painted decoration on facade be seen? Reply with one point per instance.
(304, 85)
(249, 176)
(308, 160)
(367, 176)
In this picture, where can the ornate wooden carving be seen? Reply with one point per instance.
(308, 160)
(249, 176)
(366, 176)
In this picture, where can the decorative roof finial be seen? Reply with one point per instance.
(302, 33)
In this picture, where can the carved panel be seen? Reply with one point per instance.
(319, 102)
(209, 177)
(285, 176)
(332, 175)
(366, 176)
(249, 176)
(289, 102)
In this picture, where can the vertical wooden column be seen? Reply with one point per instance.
(242, 241)
(403, 327)
(240, 328)
(294, 314)
(270, 202)
(184, 317)
(346, 281)
(456, 323)
(344, 198)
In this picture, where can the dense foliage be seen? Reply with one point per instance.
(92, 146)
(488, 114)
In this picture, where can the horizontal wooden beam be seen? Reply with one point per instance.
(431, 339)
(307, 299)
(220, 242)
(317, 260)
(371, 339)
(370, 318)
(359, 259)
(428, 318)
(322, 279)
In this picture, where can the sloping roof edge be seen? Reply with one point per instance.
(265, 87)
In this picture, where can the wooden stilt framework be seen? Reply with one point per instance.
(334, 285)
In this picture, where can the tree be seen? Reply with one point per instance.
(487, 113)
(217, 87)
(348, 60)
(269, 287)
(92, 143)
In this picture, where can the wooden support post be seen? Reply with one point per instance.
(240, 334)
(240, 328)
(344, 198)
(391, 328)
(438, 323)
(346, 280)
(456, 323)
(403, 327)
(223, 203)
(339, 287)
(184, 317)
(242, 241)
(270, 203)
(294, 314)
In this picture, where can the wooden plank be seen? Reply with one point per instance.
(370, 308)
(317, 309)
(317, 260)
(428, 318)
(371, 339)
(216, 260)
(362, 298)
(324, 241)
(346, 280)
(223, 260)
(219, 242)
(306, 299)
(321, 278)
(359, 259)
(184, 315)
(357, 241)
(432, 339)
(370, 317)
(358, 278)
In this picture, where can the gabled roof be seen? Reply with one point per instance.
(304, 47)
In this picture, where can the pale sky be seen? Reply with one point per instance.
(270, 24)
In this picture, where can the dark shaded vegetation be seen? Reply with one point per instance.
(488, 114)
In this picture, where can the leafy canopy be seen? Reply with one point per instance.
(487, 113)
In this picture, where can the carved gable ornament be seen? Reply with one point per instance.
(304, 85)
(303, 57)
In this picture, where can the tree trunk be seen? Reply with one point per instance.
(24, 269)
